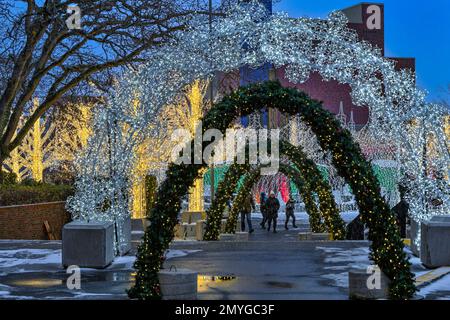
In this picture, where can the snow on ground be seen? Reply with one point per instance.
(13, 258)
(48, 261)
(340, 259)
(343, 260)
(45, 258)
(178, 253)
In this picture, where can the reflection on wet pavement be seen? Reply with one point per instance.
(36, 283)
(206, 282)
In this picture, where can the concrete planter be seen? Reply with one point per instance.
(362, 286)
(304, 236)
(192, 216)
(238, 236)
(88, 245)
(435, 242)
(200, 229)
(185, 230)
(178, 284)
(321, 236)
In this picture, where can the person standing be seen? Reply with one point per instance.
(272, 207)
(262, 206)
(290, 209)
(246, 213)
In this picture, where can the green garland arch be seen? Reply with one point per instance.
(311, 173)
(387, 246)
(334, 224)
(224, 192)
(253, 176)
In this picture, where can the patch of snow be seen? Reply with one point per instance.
(12, 258)
(9, 296)
(178, 253)
(340, 279)
(346, 260)
(127, 260)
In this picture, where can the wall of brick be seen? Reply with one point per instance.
(26, 222)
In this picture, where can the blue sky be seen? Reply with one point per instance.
(413, 28)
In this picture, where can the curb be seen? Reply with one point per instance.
(431, 276)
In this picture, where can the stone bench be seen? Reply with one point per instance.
(435, 242)
(178, 284)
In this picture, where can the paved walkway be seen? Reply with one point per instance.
(268, 266)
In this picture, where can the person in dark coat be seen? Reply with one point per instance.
(355, 229)
(290, 209)
(401, 211)
(272, 207)
(246, 213)
(262, 206)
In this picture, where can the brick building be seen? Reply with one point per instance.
(333, 94)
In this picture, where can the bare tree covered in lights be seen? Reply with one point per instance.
(41, 56)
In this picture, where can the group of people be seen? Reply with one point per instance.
(269, 207)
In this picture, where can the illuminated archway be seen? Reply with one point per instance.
(328, 210)
(387, 246)
(253, 176)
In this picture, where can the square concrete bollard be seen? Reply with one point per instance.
(200, 229)
(320, 236)
(189, 229)
(435, 242)
(192, 216)
(88, 245)
(368, 284)
(178, 284)
(304, 236)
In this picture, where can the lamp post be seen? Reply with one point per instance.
(211, 96)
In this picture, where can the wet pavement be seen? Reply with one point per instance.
(268, 266)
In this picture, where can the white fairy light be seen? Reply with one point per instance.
(248, 36)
